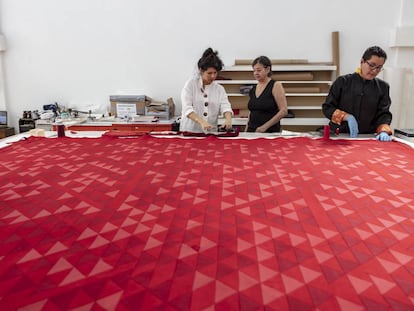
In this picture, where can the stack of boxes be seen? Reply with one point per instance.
(162, 110)
(126, 106)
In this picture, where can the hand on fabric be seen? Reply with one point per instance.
(227, 121)
(227, 125)
(353, 125)
(383, 136)
(261, 129)
(205, 125)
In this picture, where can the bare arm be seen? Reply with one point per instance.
(227, 120)
(203, 123)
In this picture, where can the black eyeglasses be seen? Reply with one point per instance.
(373, 67)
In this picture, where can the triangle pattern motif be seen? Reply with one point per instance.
(153, 223)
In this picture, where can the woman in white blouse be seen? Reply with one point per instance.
(203, 100)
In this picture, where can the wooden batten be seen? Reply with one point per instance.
(274, 61)
(335, 51)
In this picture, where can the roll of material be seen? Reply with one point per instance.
(326, 132)
(37, 132)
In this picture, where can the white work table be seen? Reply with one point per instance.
(243, 135)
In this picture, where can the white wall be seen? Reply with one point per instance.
(79, 52)
(401, 73)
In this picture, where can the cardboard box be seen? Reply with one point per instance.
(163, 110)
(47, 125)
(126, 105)
(129, 98)
(125, 109)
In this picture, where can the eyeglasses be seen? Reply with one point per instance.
(373, 67)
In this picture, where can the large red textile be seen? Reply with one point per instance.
(206, 224)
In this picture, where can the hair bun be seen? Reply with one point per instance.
(209, 52)
(210, 59)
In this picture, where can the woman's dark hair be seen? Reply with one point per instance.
(374, 50)
(265, 62)
(210, 59)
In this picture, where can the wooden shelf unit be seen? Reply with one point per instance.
(306, 86)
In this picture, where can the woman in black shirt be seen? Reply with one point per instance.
(359, 103)
(267, 103)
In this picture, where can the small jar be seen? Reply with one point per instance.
(60, 130)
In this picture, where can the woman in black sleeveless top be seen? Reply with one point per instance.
(267, 103)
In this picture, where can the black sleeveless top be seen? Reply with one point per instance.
(262, 109)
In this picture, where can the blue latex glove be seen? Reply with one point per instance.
(353, 126)
(383, 136)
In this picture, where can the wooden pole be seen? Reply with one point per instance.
(335, 51)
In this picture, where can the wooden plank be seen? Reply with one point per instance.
(238, 105)
(335, 51)
(310, 89)
(305, 76)
(273, 61)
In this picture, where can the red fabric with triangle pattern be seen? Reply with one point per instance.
(201, 224)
